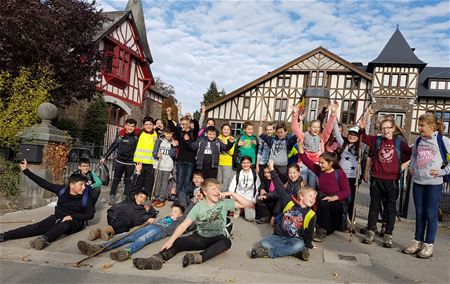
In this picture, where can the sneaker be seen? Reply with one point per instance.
(120, 255)
(39, 243)
(112, 200)
(303, 255)
(262, 220)
(87, 249)
(94, 234)
(382, 230)
(369, 238)
(426, 251)
(259, 252)
(320, 235)
(415, 247)
(152, 263)
(387, 241)
(160, 204)
(192, 258)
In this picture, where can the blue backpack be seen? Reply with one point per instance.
(86, 193)
(442, 150)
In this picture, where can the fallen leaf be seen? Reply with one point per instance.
(107, 265)
(335, 274)
(232, 279)
(25, 258)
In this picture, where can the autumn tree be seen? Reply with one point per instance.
(168, 91)
(54, 33)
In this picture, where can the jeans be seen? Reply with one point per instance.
(426, 200)
(184, 176)
(224, 176)
(279, 246)
(383, 190)
(51, 227)
(119, 170)
(308, 176)
(139, 239)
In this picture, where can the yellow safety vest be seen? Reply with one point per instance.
(307, 218)
(144, 148)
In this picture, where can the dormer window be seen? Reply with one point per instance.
(439, 85)
(117, 64)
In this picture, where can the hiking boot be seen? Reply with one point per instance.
(106, 233)
(387, 241)
(192, 258)
(262, 220)
(120, 255)
(160, 204)
(94, 234)
(259, 252)
(369, 238)
(39, 243)
(152, 263)
(415, 247)
(320, 235)
(86, 248)
(426, 251)
(112, 200)
(303, 255)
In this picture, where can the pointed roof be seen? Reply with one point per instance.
(397, 51)
(135, 6)
(112, 19)
(286, 66)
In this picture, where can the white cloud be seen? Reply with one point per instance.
(235, 42)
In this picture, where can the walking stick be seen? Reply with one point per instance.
(17, 222)
(77, 264)
(156, 177)
(358, 177)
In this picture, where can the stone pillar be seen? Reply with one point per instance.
(43, 134)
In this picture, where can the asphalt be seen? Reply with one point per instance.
(335, 260)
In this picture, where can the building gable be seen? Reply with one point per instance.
(126, 35)
(319, 61)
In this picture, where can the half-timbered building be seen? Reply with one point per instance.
(396, 83)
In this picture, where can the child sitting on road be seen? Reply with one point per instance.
(210, 217)
(152, 232)
(293, 232)
(267, 198)
(185, 199)
(84, 169)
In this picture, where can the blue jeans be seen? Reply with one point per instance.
(309, 176)
(426, 200)
(184, 176)
(282, 246)
(139, 239)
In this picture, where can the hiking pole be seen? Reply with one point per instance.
(17, 222)
(156, 177)
(77, 264)
(357, 182)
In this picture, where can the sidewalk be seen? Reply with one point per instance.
(335, 260)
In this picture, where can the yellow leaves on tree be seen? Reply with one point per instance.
(20, 97)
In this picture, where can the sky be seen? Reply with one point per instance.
(236, 42)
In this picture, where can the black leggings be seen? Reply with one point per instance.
(51, 227)
(329, 215)
(211, 246)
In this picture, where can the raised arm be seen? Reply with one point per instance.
(294, 123)
(55, 188)
(306, 161)
(329, 128)
(202, 115)
(337, 134)
(279, 187)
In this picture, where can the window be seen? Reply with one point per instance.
(235, 127)
(280, 82)
(348, 111)
(348, 82)
(386, 78)
(287, 82)
(313, 79)
(284, 81)
(117, 63)
(320, 80)
(445, 118)
(246, 102)
(313, 105)
(317, 79)
(399, 118)
(441, 85)
(394, 80)
(116, 115)
(403, 80)
(433, 85)
(280, 109)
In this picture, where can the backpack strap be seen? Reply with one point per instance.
(308, 218)
(84, 200)
(61, 191)
(237, 180)
(440, 140)
(255, 190)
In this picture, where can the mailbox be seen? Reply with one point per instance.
(30, 152)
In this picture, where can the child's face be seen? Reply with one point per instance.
(246, 164)
(269, 130)
(281, 133)
(175, 213)
(314, 128)
(210, 122)
(387, 130)
(159, 124)
(84, 168)
(267, 174)
(211, 135)
(352, 137)
(140, 198)
(307, 199)
(249, 130)
(185, 124)
(197, 180)
(77, 188)
(226, 131)
(148, 126)
(168, 135)
(293, 174)
(324, 165)
(212, 193)
(129, 127)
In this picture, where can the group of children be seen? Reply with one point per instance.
(303, 184)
